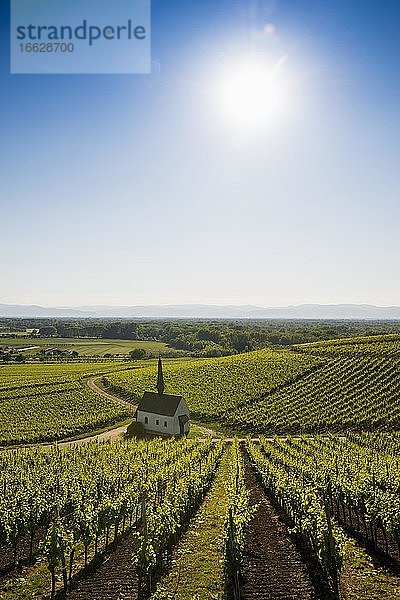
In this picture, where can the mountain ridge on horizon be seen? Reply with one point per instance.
(207, 311)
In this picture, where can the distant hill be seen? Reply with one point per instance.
(27, 311)
(330, 311)
(203, 311)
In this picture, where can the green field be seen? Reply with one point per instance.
(86, 346)
(336, 386)
(50, 402)
(217, 388)
(204, 517)
(347, 386)
(320, 388)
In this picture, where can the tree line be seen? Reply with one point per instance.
(203, 337)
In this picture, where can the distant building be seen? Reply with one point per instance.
(161, 413)
(57, 352)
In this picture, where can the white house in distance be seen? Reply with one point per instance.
(161, 413)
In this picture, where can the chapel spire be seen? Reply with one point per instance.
(160, 378)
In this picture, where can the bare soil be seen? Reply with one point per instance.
(114, 579)
(272, 566)
(381, 546)
(23, 558)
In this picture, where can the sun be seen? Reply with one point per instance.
(252, 94)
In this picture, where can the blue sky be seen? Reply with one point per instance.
(138, 189)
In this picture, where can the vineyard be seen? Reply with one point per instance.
(388, 345)
(50, 402)
(320, 387)
(71, 507)
(218, 388)
(348, 393)
(164, 520)
(311, 515)
(332, 489)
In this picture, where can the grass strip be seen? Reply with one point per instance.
(362, 579)
(198, 562)
(33, 584)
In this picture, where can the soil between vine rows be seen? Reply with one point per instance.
(272, 566)
(7, 570)
(114, 579)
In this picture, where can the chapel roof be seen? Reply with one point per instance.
(159, 404)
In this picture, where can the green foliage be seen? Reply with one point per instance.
(238, 515)
(216, 388)
(79, 494)
(209, 553)
(138, 354)
(387, 345)
(135, 429)
(199, 338)
(48, 331)
(304, 505)
(353, 385)
(313, 478)
(351, 391)
(50, 402)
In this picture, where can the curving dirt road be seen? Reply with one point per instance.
(111, 434)
(91, 382)
(117, 432)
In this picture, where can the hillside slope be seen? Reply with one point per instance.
(348, 384)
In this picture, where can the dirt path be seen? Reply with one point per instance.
(272, 567)
(111, 434)
(114, 579)
(91, 382)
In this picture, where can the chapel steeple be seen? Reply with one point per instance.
(160, 378)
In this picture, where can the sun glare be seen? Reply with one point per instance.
(253, 95)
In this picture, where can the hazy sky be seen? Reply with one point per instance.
(142, 189)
